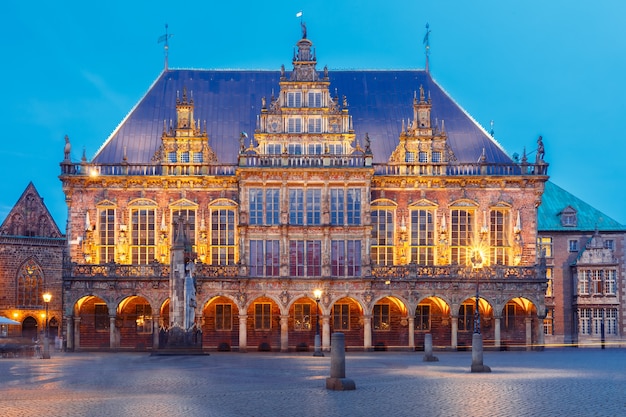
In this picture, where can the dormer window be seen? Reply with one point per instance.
(294, 99)
(568, 217)
(423, 157)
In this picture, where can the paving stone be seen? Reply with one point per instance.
(572, 382)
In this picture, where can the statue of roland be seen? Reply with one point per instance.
(190, 296)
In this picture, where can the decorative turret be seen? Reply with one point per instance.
(185, 148)
(420, 143)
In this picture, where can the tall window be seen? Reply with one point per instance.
(422, 317)
(296, 206)
(422, 237)
(305, 258)
(610, 321)
(544, 245)
(583, 282)
(255, 205)
(313, 206)
(106, 235)
(382, 237)
(302, 316)
(345, 206)
(143, 318)
(610, 282)
(345, 258)
(264, 206)
(466, 317)
(272, 206)
(341, 316)
(550, 288)
(596, 282)
(498, 237)
(584, 321)
(548, 322)
(143, 233)
(223, 317)
(223, 240)
(30, 285)
(189, 216)
(262, 316)
(264, 258)
(462, 232)
(380, 316)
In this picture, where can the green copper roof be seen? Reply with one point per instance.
(555, 200)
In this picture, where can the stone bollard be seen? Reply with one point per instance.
(428, 349)
(338, 380)
(477, 354)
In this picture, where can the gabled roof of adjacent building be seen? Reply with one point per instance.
(30, 217)
(230, 101)
(555, 201)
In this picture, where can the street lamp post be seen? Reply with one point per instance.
(318, 347)
(477, 338)
(46, 343)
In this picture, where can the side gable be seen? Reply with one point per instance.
(30, 217)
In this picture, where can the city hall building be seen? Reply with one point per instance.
(356, 201)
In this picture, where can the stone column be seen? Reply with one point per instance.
(284, 333)
(411, 332)
(70, 333)
(529, 332)
(76, 333)
(496, 332)
(113, 343)
(243, 333)
(155, 332)
(367, 332)
(454, 322)
(542, 337)
(326, 333)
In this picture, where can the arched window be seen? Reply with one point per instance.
(30, 285)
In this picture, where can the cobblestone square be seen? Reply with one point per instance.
(555, 382)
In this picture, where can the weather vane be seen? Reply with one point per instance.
(302, 24)
(164, 38)
(426, 43)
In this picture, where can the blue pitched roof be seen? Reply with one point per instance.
(555, 200)
(230, 100)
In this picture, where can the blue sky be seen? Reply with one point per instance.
(551, 68)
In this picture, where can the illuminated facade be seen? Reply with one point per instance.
(389, 199)
(31, 256)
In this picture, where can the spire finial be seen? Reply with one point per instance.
(426, 43)
(164, 38)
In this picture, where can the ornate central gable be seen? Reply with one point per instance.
(304, 119)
